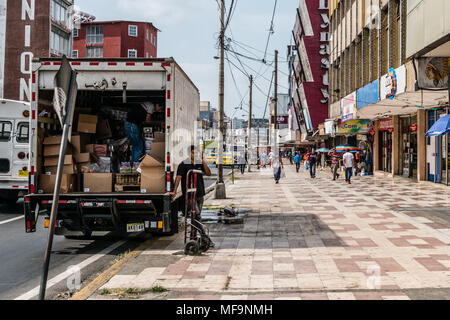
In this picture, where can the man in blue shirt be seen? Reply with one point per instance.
(297, 161)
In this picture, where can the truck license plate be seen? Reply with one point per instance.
(23, 174)
(135, 227)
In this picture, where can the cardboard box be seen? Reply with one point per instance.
(160, 136)
(83, 164)
(53, 161)
(82, 157)
(100, 150)
(153, 176)
(97, 182)
(158, 150)
(68, 169)
(52, 146)
(103, 130)
(89, 148)
(87, 123)
(47, 183)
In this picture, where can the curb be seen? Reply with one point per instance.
(106, 275)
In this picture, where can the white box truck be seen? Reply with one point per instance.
(14, 149)
(103, 85)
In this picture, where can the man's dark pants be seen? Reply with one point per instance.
(312, 169)
(297, 166)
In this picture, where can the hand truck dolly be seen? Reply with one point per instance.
(197, 238)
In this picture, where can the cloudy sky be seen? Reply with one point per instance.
(189, 30)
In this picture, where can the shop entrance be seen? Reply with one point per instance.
(438, 152)
(409, 146)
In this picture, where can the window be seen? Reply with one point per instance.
(132, 31)
(59, 41)
(146, 54)
(75, 54)
(94, 34)
(151, 41)
(132, 53)
(23, 132)
(5, 130)
(75, 33)
(94, 52)
(148, 36)
(59, 11)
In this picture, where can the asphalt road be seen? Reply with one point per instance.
(21, 256)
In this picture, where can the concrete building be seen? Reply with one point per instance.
(310, 65)
(30, 29)
(388, 79)
(115, 39)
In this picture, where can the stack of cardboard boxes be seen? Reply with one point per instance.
(82, 154)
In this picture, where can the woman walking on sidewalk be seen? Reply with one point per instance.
(277, 165)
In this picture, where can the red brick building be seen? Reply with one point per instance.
(28, 29)
(115, 39)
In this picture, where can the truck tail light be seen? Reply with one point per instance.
(21, 155)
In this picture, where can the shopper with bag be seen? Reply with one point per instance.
(277, 165)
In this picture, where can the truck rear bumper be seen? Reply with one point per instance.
(103, 212)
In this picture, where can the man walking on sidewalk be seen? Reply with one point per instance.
(349, 162)
(277, 165)
(297, 161)
(334, 163)
(312, 158)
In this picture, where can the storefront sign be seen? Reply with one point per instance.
(356, 126)
(280, 119)
(348, 107)
(393, 83)
(413, 127)
(432, 73)
(367, 95)
(385, 125)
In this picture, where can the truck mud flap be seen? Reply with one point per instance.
(30, 216)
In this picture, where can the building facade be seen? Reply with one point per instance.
(115, 39)
(28, 29)
(310, 67)
(387, 79)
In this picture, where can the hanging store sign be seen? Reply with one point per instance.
(284, 119)
(367, 95)
(413, 127)
(386, 125)
(329, 127)
(393, 83)
(348, 107)
(356, 126)
(432, 73)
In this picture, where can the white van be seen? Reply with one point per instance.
(14, 148)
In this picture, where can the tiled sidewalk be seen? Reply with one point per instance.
(310, 239)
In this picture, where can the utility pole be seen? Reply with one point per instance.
(220, 186)
(275, 144)
(249, 135)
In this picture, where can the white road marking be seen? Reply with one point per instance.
(50, 283)
(11, 220)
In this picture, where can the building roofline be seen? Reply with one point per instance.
(119, 21)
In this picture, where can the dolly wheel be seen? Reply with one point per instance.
(191, 248)
(205, 243)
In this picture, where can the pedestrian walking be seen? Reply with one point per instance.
(297, 161)
(277, 165)
(334, 163)
(264, 159)
(241, 162)
(312, 159)
(349, 163)
(290, 157)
